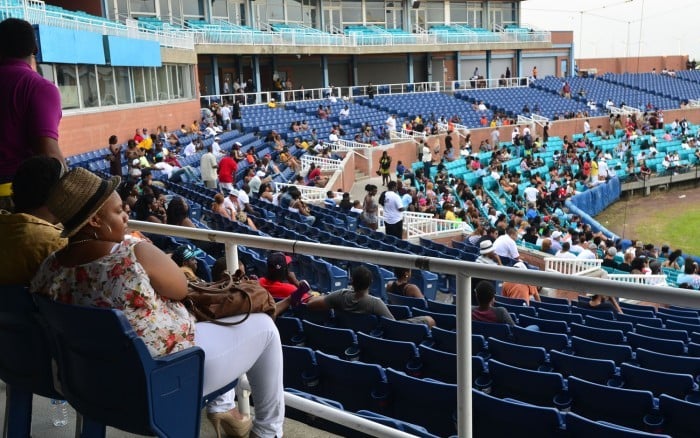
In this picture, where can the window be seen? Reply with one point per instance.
(105, 82)
(87, 79)
(474, 14)
(193, 9)
(375, 12)
(436, 12)
(46, 71)
(173, 90)
(294, 12)
(151, 84)
(139, 85)
(121, 75)
(142, 7)
(67, 82)
(352, 12)
(186, 81)
(162, 78)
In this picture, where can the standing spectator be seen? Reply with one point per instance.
(393, 211)
(371, 90)
(385, 168)
(370, 208)
(114, 157)
(227, 169)
(30, 106)
(208, 167)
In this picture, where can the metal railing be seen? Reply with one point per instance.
(571, 266)
(484, 83)
(464, 271)
(425, 225)
(653, 280)
(322, 163)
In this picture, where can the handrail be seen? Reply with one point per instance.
(480, 84)
(655, 280)
(464, 271)
(322, 163)
(572, 266)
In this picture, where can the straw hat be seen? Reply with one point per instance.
(78, 196)
(486, 247)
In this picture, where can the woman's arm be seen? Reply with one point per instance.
(166, 277)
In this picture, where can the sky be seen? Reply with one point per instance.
(620, 28)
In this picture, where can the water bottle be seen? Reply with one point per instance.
(59, 412)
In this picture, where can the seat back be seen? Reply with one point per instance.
(405, 331)
(581, 427)
(601, 350)
(440, 365)
(142, 395)
(446, 340)
(548, 341)
(625, 326)
(402, 300)
(517, 355)
(597, 334)
(593, 370)
(602, 314)
(658, 382)
(300, 368)
(680, 417)
(427, 403)
(537, 387)
(660, 345)
(678, 335)
(626, 407)
(490, 411)
(436, 306)
(445, 321)
(491, 330)
(330, 340)
(652, 322)
(560, 316)
(545, 325)
(669, 363)
(357, 385)
(358, 322)
(291, 331)
(399, 355)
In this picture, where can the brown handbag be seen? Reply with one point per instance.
(235, 295)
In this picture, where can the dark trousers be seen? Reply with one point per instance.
(395, 230)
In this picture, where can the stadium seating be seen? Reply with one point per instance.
(593, 370)
(356, 385)
(537, 387)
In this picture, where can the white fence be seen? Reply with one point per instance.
(425, 225)
(652, 280)
(463, 272)
(571, 266)
(325, 164)
(482, 83)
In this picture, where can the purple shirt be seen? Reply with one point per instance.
(30, 108)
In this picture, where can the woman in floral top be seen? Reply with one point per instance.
(100, 268)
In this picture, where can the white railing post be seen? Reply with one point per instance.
(231, 257)
(464, 355)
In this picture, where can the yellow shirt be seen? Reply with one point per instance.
(146, 144)
(25, 241)
(450, 215)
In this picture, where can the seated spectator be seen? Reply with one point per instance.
(356, 207)
(345, 204)
(143, 282)
(280, 281)
(358, 300)
(609, 259)
(601, 302)
(178, 212)
(690, 275)
(218, 207)
(524, 292)
(564, 252)
(265, 193)
(298, 206)
(329, 201)
(237, 212)
(487, 254)
(150, 209)
(672, 260)
(485, 311)
(401, 285)
(29, 235)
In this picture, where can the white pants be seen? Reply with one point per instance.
(254, 348)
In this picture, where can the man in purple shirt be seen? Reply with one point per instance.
(30, 106)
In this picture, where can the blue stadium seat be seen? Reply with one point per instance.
(424, 402)
(678, 335)
(388, 353)
(545, 325)
(659, 382)
(488, 329)
(25, 365)
(359, 322)
(659, 345)
(300, 368)
(597, 334)
(446, 340)
(441, 365)
(356, 385)
(291, 330)
(581, 427)
(399, 312)
(668, 363)
(680, 417)
(600, 350)
(548, 341)
(555, 307)
(537, 387)
(652, 322)
(593, 370)
(445, 321)
(602, 314)
(560, 316)
(436, 306)
(533, 358)
(330, 340)
(405, 331)
(402, 300)
(403, 426)
(625, 326)
(626, 407)
(523, 418)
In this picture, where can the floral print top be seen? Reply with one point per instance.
(118, 281)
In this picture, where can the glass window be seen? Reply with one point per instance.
(105, 81)
(164, 13)
(474, 15)
(193, 9)
(310, 17)
(67, 82)
(374, 12)
(219, 9)
(352, 12)
(121, 75)
(139, 85)
(275, 11)
(162, 81)
(142, 7)
(186, 81)
(151, 83)
(436, 12)
(173, 91)
(458, 13)
(46, 71)
(88, 86)
(294, 12)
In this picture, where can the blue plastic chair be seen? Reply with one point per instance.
(597, 334)
(680, 417)
(330, 340)
(523, 356)
(25, 365)
(143, 395)
(548, 341)
(581, 427)
(405, 331)
(403, 426)
(356, 385)
(659, 345)
(442, 365)
(658, 382)
(545, 325)
(625, 326)
(601, 350)
(400, 355)
(593, 370)
(490, 411)
(537, 387)
(423, 402)
(300, 368)
(668, 363)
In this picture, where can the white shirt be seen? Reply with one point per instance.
(391, 123)
(505, 246)
(216, 149)
(392, 208)
(427, 155)
(565, 255)
(586, 254)
(333, 137)
(603, 170)
(243, 199)
(344, 112)
(165, 167)
(230, 206)
(208, 167)
(586, 126)
(226, 113)
(190, 149)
